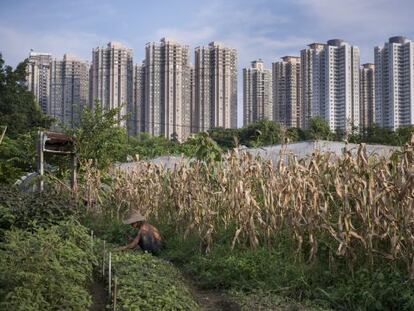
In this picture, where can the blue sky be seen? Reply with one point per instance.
(267, 29)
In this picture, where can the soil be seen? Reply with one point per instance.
(99, 295)
(210, 300)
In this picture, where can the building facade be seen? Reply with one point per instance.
(112, 78)
(394, 83)
(257, 93)
(167, 90)
(330, 84)
(286, 91)
(137, 118)
(367, 95)
(69, 89)
(215, 75)
(38, 78)
(311, 86)
(193, 119)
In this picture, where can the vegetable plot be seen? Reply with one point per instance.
(47, 269)
(145, 282)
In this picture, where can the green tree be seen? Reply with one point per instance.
(17, 157)
(99, 137)
(404, 134)
(148, 147)
(318, 129)
(225, 138)
(205, 148)
(19, 110)
(294, 134)
(261, 133)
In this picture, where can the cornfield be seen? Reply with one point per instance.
(360, 207)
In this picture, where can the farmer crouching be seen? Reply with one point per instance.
(148, 237)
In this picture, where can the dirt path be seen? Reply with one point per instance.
(99, 295)
(211, 300)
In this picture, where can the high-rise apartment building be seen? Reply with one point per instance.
(69, 89)
(215, 87)
(193, 119)
(330, 84)
(394, 83)
(257, 93)
(38, 78)
(137, 119)
(286, 91)
(112, 78)
(167, 89)
(367, 95)
(311, 85)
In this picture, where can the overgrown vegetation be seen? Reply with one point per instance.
(321, 228)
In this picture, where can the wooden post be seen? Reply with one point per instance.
(2, 135)
(103, 259)
(73, 177)
(40, 160)
(110, 274)
(92, 240)
(115, 291)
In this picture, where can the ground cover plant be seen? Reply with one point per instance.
(339, 228)
(27, 210)
(145, 282)
(46, 269)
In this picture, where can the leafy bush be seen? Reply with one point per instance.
(109, 229)
(148, 283)
(48, 269)
(29, 210)
(98, 136)
(17, 157)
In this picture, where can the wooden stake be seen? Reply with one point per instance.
(115, 291)
(110, 274)
(2, 135)
(92, 240)
(103, 260)
(40, 160)
(73, 175)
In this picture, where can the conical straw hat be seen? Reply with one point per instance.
(133, 217)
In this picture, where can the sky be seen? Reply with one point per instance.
(266, 29)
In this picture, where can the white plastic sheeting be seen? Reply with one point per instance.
(300, 149)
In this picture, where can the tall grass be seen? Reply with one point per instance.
(357, 208)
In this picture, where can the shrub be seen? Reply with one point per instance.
(109, 229)
(47, 269)
(29, 210)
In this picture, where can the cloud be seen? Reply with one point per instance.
(19, 43)
(267, 29)
(365, 23)
(192, 37)
(360, 17)
(247, 28)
